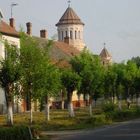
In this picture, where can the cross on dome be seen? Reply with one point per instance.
(69, 2)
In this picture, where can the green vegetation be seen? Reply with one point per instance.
(15, 133)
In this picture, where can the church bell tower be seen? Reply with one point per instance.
(70, 29)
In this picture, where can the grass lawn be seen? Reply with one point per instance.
(59, 119)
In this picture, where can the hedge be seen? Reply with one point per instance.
(15, 133)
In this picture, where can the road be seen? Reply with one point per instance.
(124, 131)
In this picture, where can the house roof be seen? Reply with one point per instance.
(104, 53)
(8, 30)
(60, 52)
(69, 17)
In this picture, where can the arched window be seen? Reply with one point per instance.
(59, 35)
(71, 35)
(62, 35)
(79, 35)
(66, 34)
(75, 34)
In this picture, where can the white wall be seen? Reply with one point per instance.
(77, 42)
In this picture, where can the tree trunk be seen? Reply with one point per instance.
(9, 113)
(90, 106)
(62, 100)
(128, 99)
(30, 106)
(70, 105)
(47, 108)
(9, 104)
(120, 104)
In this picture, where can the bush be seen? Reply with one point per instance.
(108, 107)
(125, 114)
(15, 133)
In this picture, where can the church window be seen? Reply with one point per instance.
(79, 35)
(75, 34)
(66, 33)
(71, 36)
(62, 35)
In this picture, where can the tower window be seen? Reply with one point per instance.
(71, 36)
(62, 35)
(66, 33)
(79, 35)
(75, 34)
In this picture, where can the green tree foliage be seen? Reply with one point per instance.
(10, 73)
(136, 60)
(71, 81)
(91, 71)
(40, 78)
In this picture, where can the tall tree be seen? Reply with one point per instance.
(90, 69)
(48, 83)
(9, 75)
(71, 81)
(31, 58)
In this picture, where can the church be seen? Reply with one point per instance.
(70, 29)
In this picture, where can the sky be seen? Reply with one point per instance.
(115, 22)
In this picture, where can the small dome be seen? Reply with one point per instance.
(69, 17)
(104, 53)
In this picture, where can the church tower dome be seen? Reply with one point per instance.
(70, 29)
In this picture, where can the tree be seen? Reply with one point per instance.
(9, 75)
(48, 84)
(129, 76)
(90, 69)
(136, 60)
(71, 81)
(31, 60)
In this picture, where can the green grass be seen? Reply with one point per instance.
(61, 121)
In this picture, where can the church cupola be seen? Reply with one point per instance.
(71, 27)
(105, 56)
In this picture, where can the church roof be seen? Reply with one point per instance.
(69, 17)
(8, 30)
(104, 53)
(60, 52)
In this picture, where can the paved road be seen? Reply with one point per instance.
(124, 131)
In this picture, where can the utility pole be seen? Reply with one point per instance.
(12, 5)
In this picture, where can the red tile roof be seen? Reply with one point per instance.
(66, 48)
(8, 30)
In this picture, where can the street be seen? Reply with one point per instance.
(127, 130)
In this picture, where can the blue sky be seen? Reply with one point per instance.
(116, 22)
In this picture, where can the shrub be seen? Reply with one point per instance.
(108, 107)
(15, 133)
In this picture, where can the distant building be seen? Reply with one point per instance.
(70, 29)
(106, 57)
